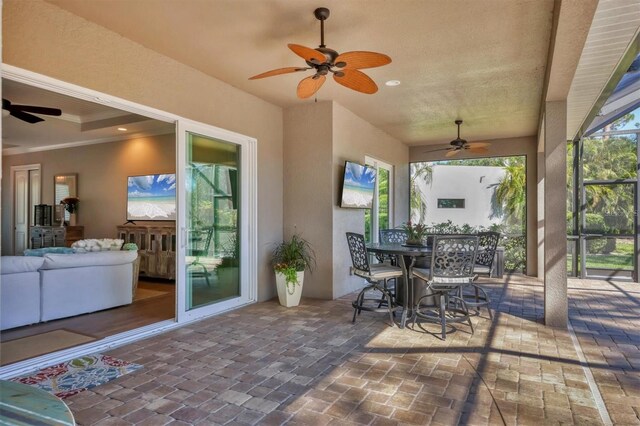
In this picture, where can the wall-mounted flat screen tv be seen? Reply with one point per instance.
(151, 197)
(358, 186)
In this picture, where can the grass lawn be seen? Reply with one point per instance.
(620, 259)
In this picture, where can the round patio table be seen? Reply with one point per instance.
(406, 256)
(22, 404)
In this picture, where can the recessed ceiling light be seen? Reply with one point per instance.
(122, 129)
(393, 83)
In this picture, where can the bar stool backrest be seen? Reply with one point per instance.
(453, 256)
(393, 236)
(358, 251)
(487, 244)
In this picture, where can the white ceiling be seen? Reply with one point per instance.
(483, 60)
(614, 26)
(82, 122)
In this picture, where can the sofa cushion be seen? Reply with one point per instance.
(79, 260)
(18, 264)
(42, 251)
(100, 244)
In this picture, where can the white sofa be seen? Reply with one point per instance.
(67, 285)
(19, 291)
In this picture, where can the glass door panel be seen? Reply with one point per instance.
(212, 232)
(608, 229)
(609, 256)
(609, 208)
(383, 198)
(379, 216)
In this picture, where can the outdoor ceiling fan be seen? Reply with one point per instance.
(344, 67)
(459, 144)
(22, 112)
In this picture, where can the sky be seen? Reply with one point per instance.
(152, 186)
(356, 175)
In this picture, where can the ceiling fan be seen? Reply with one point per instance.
(22, 112)
(459, 144)
(325, 60)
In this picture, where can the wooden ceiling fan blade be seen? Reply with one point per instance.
(478, 150)
(307, 53)
(362, 59)
(31, 119)
(356, 80)
(277, 72)
(452, 153)
(309, 86)
(37, 109)
(436, 150)
(479, 144)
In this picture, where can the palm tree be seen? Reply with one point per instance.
(423, 172)
(510, 194)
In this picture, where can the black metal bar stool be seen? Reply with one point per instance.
(377, 276)
(487, 245)
(451, 267)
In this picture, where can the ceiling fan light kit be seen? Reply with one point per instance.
(344, 67)
(459, 144)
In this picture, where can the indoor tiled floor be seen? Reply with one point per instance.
(265, 364)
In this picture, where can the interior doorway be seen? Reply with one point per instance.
(26, 187)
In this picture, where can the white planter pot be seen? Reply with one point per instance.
(289, 294)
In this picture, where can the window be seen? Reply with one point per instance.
(451, 203)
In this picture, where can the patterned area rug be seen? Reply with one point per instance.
(72, 377)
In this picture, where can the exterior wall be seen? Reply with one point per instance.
(474, 184)
(504, 147)
(319, 138)
(308, 194)
(353, 139)
(102, 179)
(43, 38)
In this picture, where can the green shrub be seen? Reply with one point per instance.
(595, 225)
(515, 253)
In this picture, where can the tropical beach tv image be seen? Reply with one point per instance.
(358, 187)
(151, 197)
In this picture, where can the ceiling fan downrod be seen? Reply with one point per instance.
(458, 123)
(322, 14)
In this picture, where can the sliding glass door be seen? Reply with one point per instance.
(379, 216)
(217, 268)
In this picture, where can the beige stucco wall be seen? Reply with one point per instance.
(43, 38)
(102, 179)
(308, 193)
(505, 147)
(353, 139)
(319, 138)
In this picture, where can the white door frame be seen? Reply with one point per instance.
(42, 81)
(375, 225)
(247, 221)
(12, 194)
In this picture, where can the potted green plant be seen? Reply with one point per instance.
(290, 259)
(415, 233)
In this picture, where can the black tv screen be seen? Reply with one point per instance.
(358, 186)
(151, 197)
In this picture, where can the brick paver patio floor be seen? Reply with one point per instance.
(264, 364)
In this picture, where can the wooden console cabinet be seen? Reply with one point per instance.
(156, 248)
(55, 236)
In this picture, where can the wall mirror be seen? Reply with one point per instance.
(64, 185)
